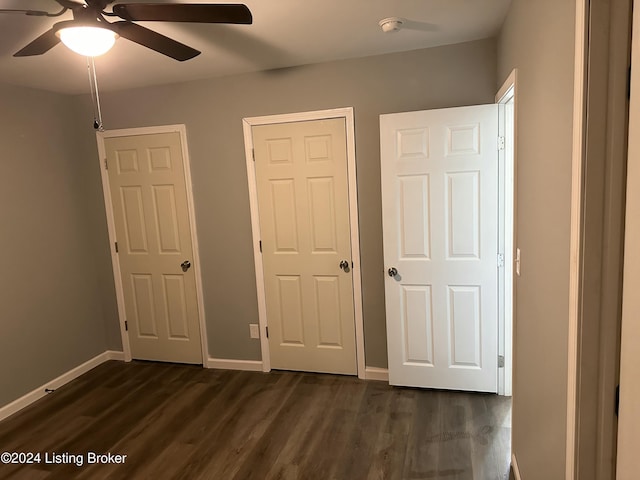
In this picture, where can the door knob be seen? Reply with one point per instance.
(185, 265)
(393, 271)
(344, 265)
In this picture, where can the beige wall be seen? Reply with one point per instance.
(51, 309)
(213, 109)
(538, 39)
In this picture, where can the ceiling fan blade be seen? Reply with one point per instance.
(154, 41)
(31, 13)
(184, 12)
(40, 45)
(70, 4)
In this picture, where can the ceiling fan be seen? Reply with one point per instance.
(91, 14)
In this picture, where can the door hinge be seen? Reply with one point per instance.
(266, 330)
(500, 361)
(500, 143)
(253, 154)
(500, 260)
(260, 245)
(126, 326)
(617, 404)
(116, 245)
(106, 165)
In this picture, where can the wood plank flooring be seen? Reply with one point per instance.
(187, 422)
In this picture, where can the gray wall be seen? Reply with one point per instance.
(538, 39)
(51, 317)
(213, 109)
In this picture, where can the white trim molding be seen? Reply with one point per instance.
(508, 88)
(228, 364)
(114, 355)
(38, 393)
(111, 227)
(575, 253)
(514, 467)
(248, 124)
(506, 98)
(376, 373)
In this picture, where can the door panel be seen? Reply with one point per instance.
(462, 215)
(439, 172)
(301, 174)
(414, 213)
(417, 324)
(148, 192)
(464, 326)
(327, 301)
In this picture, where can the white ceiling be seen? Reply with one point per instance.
(284, 33)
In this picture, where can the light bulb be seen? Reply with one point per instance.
(88, 41)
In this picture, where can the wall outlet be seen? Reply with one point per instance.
(254, 330)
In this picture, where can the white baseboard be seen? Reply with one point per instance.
(375, 373)
(113, 355)
(514, 467)
(58, 382)
(370, 373)
(226, 364)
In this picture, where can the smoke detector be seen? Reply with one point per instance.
(391, 24)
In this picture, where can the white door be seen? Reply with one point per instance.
(303, 203)
(149, 200)
(439, 174)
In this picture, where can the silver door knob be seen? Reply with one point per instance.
(393, 271)
(185, 265)
(344, 265)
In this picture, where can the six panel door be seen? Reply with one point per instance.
(439, 173)
(149, 200)
(301, 173)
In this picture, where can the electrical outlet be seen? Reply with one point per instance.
(254, 330)
(517, 261)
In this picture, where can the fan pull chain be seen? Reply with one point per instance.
(95, 96)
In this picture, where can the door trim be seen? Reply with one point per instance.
(576, 229)
(111, 226)
(629, 418)
(507, 235)
(247, 125)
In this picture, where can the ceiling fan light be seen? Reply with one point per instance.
(88, 41)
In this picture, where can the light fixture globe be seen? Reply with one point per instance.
(87, 40)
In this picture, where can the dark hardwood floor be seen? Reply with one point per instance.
(187, 422)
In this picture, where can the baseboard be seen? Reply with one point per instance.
(58, 382)
(514, 467)
(226, 364)
(376, 373)
(370, 373)
(114, 355)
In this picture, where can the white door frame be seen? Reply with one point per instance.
(629, 417)
(247, 125)
(115, 262)
(506, 232)
(575, 245)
